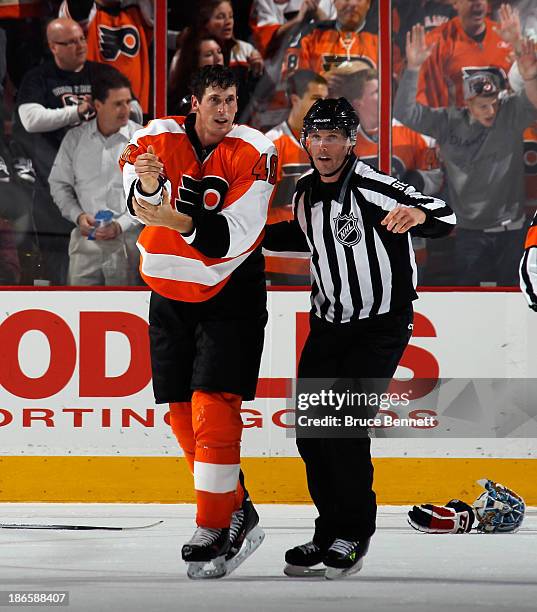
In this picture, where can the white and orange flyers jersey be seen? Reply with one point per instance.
(293, 162)
(227, 195)
(454, 55)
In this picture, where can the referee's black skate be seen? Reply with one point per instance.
(205, 553)
(344, 558)
(245, 535)
(302, 559)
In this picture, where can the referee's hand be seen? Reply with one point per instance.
(402, 218)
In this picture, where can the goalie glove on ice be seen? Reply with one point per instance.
(497, 510)
(455, 517)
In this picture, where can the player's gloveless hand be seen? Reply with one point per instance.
(162, 215)
(148, 168)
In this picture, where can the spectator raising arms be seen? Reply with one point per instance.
(481, 146)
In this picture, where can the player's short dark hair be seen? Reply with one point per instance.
(108, 78)
(298, 82)
(354, 84)
(212, 76)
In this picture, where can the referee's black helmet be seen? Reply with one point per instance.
(331, 114)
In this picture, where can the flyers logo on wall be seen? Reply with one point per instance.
(114, 41)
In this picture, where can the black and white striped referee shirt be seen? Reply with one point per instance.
(359, 269)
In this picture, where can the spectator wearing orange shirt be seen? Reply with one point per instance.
(467, 43)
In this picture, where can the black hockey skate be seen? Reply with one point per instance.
(205, 553)
(344, 558)
(245, 535)
(302, 559)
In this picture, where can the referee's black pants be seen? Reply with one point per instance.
(339, 470)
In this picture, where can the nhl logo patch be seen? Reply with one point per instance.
(346, 230)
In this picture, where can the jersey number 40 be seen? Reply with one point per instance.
(265, 169)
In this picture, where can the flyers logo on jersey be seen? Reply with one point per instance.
(346, 230)
(208, 192)
(114, 41)
(530, 157)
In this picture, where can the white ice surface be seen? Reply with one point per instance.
(137, 571)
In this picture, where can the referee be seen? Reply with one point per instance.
(357, 223)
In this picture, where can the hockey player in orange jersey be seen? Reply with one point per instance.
(304, 87)
(467, 43)
(202, 185)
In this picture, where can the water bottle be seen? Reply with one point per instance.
(102, 219)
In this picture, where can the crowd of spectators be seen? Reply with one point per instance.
(76, 81)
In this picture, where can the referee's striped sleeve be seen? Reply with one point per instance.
(387, 192)
(528, 266)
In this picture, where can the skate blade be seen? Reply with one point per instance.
(204, 570)
(252, 542)
(300, 571)
(336, 573)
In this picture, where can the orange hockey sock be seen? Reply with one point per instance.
(217, 425)
(181, 424)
